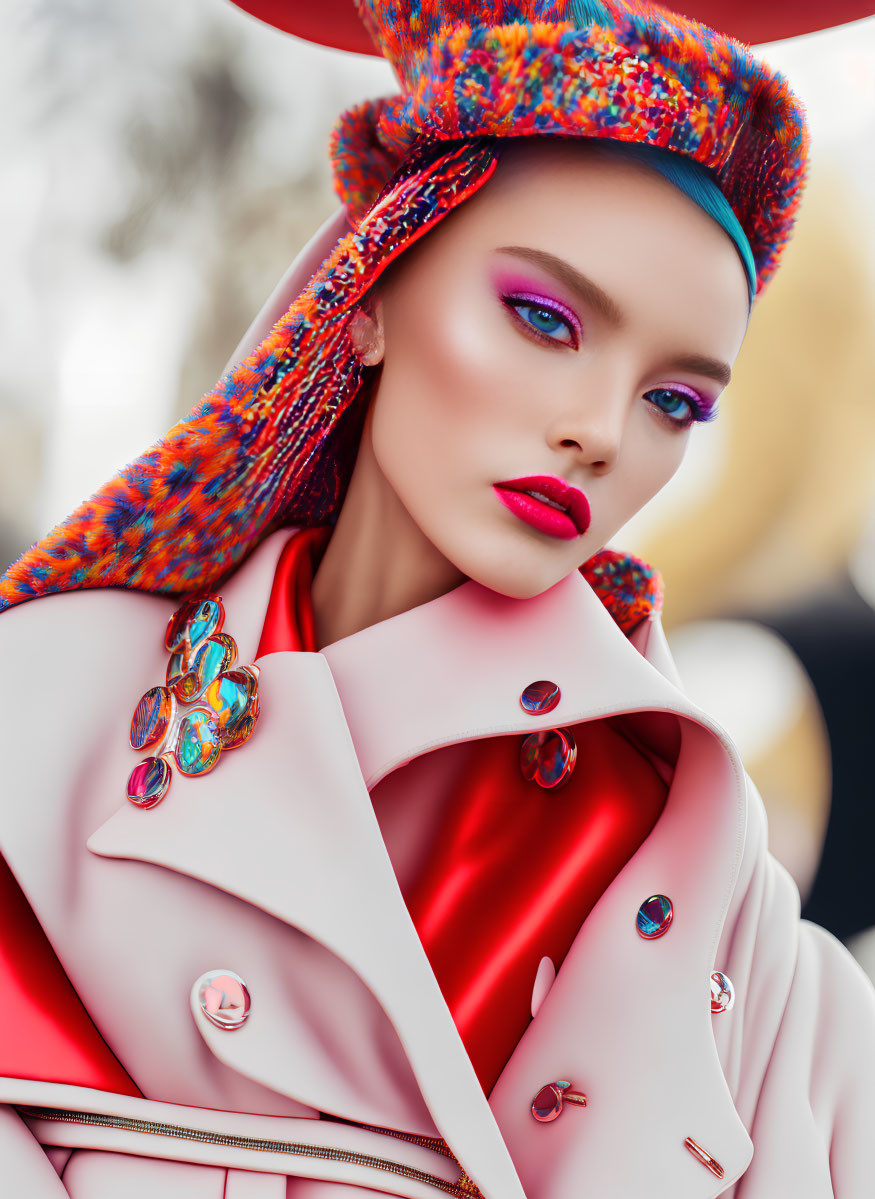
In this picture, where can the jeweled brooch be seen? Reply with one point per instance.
(207, 704)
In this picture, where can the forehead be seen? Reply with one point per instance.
(663, 260)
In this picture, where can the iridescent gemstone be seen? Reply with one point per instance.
(197, 744)
(548, 758)
(722, 992)
(541, 697)
(153, 714)
(233, 698)
(186, 687)
(207, 620)
(176, 637)
(179, 677)
(230, 644)
(654, 916)
(224, 998)
(149, 782)
(548, 1103)
(212, 657)
(193, 623)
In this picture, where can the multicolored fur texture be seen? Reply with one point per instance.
(266, 446)
(273, 443)
(621, 69)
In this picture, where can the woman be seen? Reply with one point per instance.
(483, 903)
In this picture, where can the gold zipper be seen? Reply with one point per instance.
(465, 1187)
(437, 1144)
(461, 1188)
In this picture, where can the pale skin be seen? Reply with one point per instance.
(592, 385)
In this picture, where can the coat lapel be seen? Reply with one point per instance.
(306, 848)
(312, 855)
(627, 1019)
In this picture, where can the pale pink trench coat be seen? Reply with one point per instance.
(275, 866)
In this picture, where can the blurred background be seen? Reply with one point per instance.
(163, 163)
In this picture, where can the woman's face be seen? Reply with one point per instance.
(554, 339)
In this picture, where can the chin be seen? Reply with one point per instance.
(515, 563)
(516, 578)
(523, 589)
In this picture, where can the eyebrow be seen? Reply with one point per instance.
(592, 295)
(711, 368)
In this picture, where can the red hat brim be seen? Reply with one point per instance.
(336, 22)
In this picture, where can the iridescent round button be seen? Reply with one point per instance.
(548, 758)
(722, 992)
(198, 745)
(541, 697)
(654, 917)
(551, 1099)
(149, 782)
(153, 714)
(233, 700)
(224, 998)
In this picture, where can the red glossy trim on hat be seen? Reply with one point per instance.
(336, 22)
(330, 23)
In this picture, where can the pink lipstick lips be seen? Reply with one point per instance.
(547, 504)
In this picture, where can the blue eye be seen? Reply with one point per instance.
(544, 321)
(672, 403)
(681, 406)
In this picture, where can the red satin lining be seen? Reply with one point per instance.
(46, 1033)
(289, 623)
(514, 870)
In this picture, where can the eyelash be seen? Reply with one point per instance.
(701, 409)
(518, 300)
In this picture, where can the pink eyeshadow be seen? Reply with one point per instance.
(523, 287)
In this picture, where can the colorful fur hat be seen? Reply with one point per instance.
(273, 443)
(620, 69)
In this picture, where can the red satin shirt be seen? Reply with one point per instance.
(515, 869)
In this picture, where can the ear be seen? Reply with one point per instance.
(366, 334)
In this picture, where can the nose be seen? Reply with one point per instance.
(593, 428)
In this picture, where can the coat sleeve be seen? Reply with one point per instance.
(843, 1059)
(26, 1168)
(801, 1059)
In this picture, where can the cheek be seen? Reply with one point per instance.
(657, 453)
(653, 455)
(443, 384)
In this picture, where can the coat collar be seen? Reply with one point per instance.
(448, 671)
